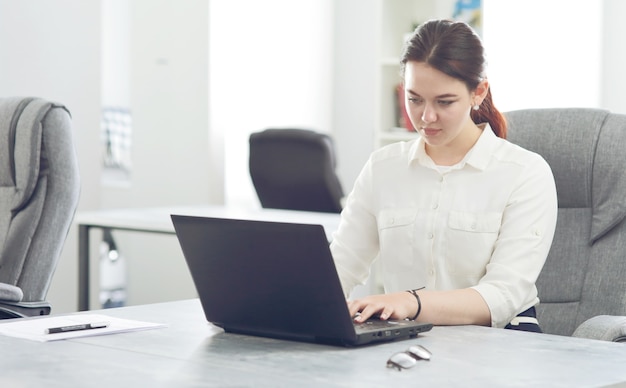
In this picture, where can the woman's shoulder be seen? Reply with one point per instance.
(511, 152)
(400, 149)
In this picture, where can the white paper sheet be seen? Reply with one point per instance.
(35, 328)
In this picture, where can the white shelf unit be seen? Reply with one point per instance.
(397, 18)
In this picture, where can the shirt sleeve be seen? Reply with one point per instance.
(522, 246)
(355, 245)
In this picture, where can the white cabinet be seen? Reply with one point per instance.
(397, 19)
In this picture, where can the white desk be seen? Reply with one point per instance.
(192, 353)
(157, 220)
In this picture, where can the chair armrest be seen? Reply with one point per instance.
(10, 293)
(603, 327)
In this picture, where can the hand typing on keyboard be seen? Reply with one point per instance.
(398, 305)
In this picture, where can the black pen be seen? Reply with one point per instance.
(84, 326)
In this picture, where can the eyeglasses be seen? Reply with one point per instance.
(409, 358)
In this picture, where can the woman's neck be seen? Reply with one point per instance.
(452, 153)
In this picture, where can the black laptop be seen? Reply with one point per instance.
(275, 279)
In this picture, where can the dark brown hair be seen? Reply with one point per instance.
(453, 48)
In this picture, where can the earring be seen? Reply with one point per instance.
(476, 107)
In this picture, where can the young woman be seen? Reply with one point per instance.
(460, 220)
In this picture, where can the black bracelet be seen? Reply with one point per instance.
(419, 302)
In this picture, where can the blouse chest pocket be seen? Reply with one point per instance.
(396, 232)
(470, 243)
(396, 218)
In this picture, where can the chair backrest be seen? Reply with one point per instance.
(39, 189)
(585, 274)
(295, 169)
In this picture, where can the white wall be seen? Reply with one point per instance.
(169, 101)
(115, 50)
(613, 75)
(544, 53)
(271, 66)
(354, 83)
(177, 156)
(51, 49)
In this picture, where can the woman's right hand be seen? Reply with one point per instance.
(398, 305)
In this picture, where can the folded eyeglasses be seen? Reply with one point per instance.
(409, 358)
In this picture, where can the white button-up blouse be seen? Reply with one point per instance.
(485, 223)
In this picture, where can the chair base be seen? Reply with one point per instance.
(10, 310)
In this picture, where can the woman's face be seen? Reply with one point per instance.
(439, 106)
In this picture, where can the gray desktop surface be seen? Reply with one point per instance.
(190, 352)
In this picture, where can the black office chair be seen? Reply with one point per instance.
(295, 169)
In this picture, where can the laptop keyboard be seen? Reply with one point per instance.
(376, 324)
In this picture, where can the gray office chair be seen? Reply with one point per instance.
(39, 189)
(295, 169)
(583, 284)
